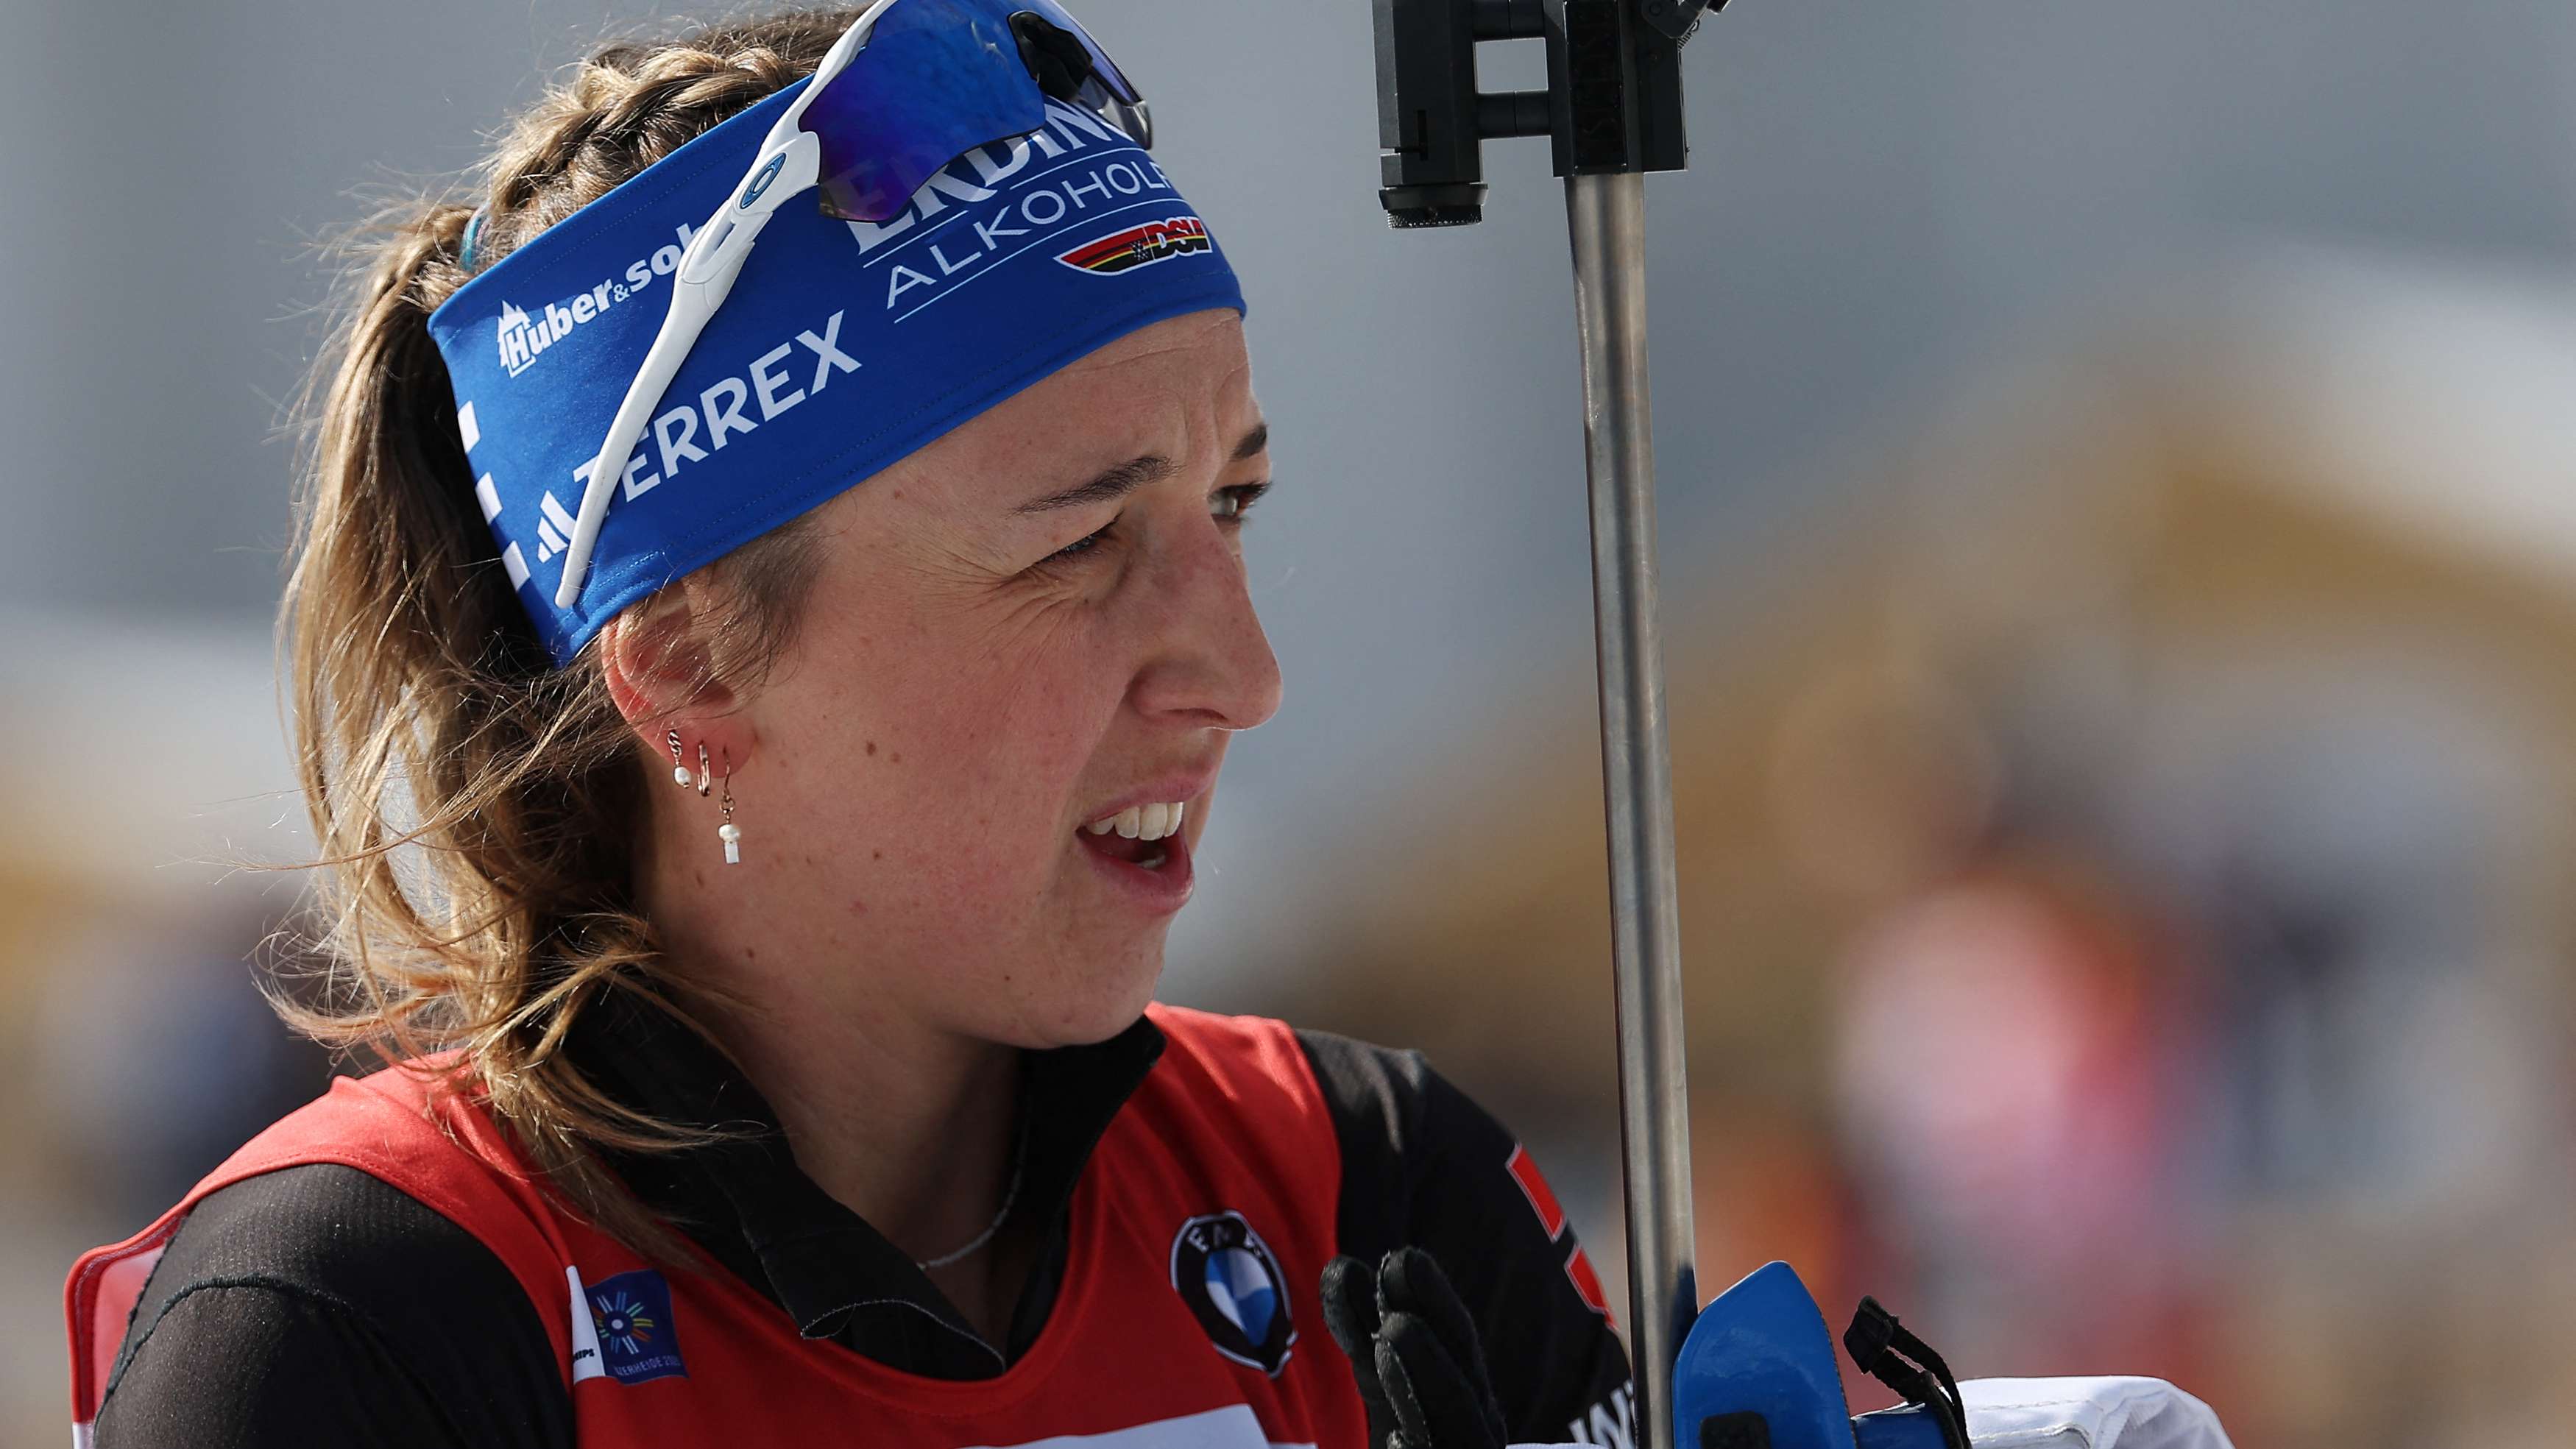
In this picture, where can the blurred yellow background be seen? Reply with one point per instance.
(2124, 878)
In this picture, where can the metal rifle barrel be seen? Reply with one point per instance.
(1606, 216)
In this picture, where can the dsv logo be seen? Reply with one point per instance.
(1140, 246)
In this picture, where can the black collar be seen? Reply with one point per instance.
(753, 1210)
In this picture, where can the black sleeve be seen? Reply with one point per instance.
(1425, 1166)
(319, 1305)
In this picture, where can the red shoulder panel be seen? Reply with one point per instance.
(403, 1125)
(1247, 1084)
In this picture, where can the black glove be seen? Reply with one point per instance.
(1413, 1347)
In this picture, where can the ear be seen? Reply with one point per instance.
(655, 659)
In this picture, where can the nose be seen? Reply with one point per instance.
(1211, 664)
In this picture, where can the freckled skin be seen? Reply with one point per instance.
(1010, 695)
(1027, 695)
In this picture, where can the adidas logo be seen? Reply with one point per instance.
(688, 432)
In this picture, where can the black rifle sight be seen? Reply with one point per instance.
(1613, 100)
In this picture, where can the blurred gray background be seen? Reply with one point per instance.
(1886, 202)
(1879, 194)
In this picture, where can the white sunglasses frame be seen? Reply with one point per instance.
(789, 164)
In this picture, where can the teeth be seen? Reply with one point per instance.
(1143, 822)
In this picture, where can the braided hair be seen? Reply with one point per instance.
(473, 805)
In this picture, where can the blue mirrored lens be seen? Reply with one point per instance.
(935, 79)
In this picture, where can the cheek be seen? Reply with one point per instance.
(957, 760)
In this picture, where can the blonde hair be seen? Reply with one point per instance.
(428, 715)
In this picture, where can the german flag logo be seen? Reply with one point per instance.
(1142, 246)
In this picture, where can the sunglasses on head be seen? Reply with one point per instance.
(909, 87)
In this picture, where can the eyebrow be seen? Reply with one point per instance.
(1116, 483)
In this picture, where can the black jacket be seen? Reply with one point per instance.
(319, 1305)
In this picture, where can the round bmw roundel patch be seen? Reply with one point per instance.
(1231, 1281)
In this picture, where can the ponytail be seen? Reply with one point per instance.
(426, 711)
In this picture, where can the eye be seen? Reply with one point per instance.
(1229, 505)
(1080, 546)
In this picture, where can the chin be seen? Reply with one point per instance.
(1105, 997)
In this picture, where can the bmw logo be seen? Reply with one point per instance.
(760, 183)
(1234, 1287)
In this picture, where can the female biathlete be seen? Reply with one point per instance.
(775, 553)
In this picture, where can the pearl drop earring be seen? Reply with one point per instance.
(679, 772)
(729, 833)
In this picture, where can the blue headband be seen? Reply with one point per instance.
(843, 348)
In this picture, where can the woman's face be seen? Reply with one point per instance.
(1029, 626)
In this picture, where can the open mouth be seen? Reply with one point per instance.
(1146, 837)
(1142, 854)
